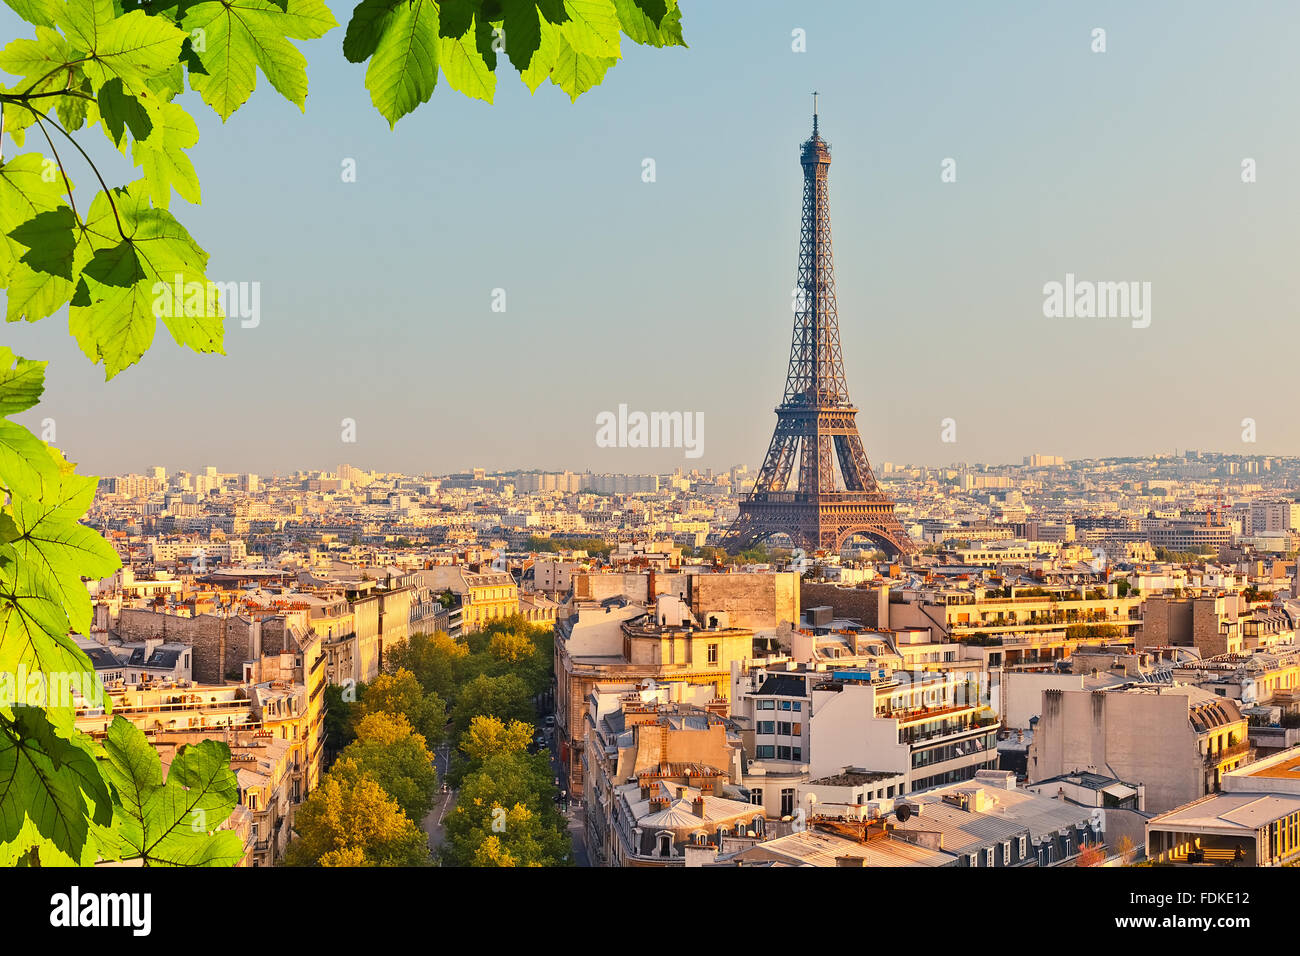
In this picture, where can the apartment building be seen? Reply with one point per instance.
(1263, 679)
(485, 596)
(1214, 624)
(934, 728)
(659, 779)
(992, 628)
(771, 708)
(619, 641)
(1177, 740)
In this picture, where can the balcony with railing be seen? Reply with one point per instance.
(980, 718)
(1216, 757)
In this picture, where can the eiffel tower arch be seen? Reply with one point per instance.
(816, 423)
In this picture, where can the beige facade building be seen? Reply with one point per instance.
(275, 735)
(659, 781)
(761, 601)
(1176, 740)
(486, 596)
(619, 641)
(1214, 624)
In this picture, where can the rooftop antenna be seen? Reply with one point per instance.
(814, 96)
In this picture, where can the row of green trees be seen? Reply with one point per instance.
(593, 546)
(505, 812)
(479, 693)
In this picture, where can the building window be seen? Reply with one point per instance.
(782, 753)
(713, 653)
(798, 753)
(767, 705)
(787, 802)
(783, 728)
(756, 797)
(785, 705)
(764, 752)
(766, 727)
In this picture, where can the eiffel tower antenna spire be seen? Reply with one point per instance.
(816, 422)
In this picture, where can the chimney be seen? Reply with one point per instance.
(697, 807)
(850, 861)
(681, 793)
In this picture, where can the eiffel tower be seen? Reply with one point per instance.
(816, 422)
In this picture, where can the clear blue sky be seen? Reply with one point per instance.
(675, 295)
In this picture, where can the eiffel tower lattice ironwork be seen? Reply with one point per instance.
(816, 423)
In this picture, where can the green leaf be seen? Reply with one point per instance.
(132, 47)
(575, 72)
(485, 42)
(33, 295)
(119, 111)
(56, 547)
(523, 29)
(41, 281)
(51, 239)
(172, 822)
(592, 28)
(125, 284)
(21, 382)
(25, 191)
(25, 461)
(239, 36)
(34, 59)
(74, 111)
(39, 12)
(457, 16)
(365, 28)
(165, 165)
(654, 9)
(464, 67)
(33, 625)
(651, 22)
(404, 67)
(47, 779)
(544, 58)
(553, 11)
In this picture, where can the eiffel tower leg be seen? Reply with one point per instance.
(775, 474)
(858, 475)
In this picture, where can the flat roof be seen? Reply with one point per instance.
(1230, 811)
(852, 778)
(1287, 769)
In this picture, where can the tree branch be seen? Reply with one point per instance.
(89, 162)
(67, 182)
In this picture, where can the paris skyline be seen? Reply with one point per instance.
(376, 296)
